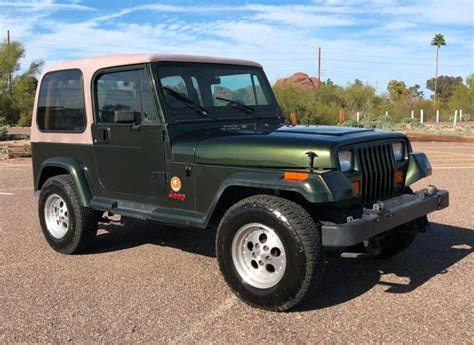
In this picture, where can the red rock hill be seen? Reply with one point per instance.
(301, 80)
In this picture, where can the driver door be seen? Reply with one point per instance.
(128, 141)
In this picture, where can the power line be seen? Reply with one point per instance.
(394, 63)
(286, 55)
(362, 61)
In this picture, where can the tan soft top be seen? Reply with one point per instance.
(91, 65)
(99, 62)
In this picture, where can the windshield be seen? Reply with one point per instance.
(220, 91)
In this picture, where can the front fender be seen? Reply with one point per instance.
(75, 169)
(418, 167)
(318, 188)
(324, 187)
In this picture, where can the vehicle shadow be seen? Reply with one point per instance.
(113, 237)
(431, 254)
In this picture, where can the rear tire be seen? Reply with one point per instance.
(269, 252)
(67, 226)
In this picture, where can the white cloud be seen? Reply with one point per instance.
(39, 5)
(453, 12)
(284, 38)
(398, 25)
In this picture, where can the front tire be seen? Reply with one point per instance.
(397, 240)
(67, 226)
(269, 252)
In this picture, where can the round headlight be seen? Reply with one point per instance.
(345, 160)
(398, 151)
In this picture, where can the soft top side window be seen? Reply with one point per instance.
(61, 102)
(127, 91)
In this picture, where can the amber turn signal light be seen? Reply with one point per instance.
(399, 176)
(295, 176)
(356, 187)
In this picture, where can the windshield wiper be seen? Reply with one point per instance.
(237, 105)
(188, 102)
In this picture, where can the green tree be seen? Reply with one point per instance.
(397, 89)
(443, 87)
(463, 97)
(415, 92)
(359, 97)
(438, 41)
(17, 90)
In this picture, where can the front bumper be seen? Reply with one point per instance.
(384, 216)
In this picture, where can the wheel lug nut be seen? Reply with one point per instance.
(260, 262)
(265, 248)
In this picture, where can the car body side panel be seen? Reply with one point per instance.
(84, 158)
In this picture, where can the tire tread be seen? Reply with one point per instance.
(304, 229)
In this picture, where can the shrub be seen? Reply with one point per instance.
(409, 120)
(3, 132)
(25, 120)
(353, 123)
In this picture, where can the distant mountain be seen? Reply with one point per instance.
(301, 80)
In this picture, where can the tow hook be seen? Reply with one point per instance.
(427, 192)
(379, 209)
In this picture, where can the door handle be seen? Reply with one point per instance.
(104, 135)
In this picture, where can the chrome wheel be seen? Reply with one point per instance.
(56, 216)
(258, 255)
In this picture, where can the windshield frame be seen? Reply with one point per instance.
(216, 113)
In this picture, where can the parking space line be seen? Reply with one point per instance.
(14, 165)
(453, 167)
(454, 158)
(447, 162)
(199, 327)
(456, 154)
(19, 188)
(5, 193)
(448, 147)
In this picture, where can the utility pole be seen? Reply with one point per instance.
(436, 78)
(9, 80)
(319, 67)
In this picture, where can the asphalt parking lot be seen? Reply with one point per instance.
(144, 282)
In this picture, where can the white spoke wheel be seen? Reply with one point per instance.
(269, 252)
(56, 216)
(68, 226)
(259, 255)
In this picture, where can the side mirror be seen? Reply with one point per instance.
(124, 116)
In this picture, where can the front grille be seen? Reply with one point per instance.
(378, 167)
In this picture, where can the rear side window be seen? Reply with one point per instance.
(61, 102)
(125, 91)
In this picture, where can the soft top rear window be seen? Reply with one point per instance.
(61, 105)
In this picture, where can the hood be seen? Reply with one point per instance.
(283, 147)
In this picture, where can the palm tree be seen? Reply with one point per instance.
(437, 41)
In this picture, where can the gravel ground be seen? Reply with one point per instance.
(143, 282)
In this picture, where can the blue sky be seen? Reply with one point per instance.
(372, 40)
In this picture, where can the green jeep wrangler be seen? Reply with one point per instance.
(201, 142)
